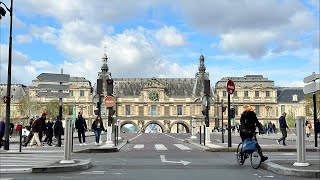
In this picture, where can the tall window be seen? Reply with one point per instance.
(179, 110)
(224, 93)
(70, 110)
(235, 94)
(267, 93)
(283, 108)
(128, 110)
(256, 93)
(153, 110)
(81, 93)
(71, 93)
(257, 110)
(246, 94)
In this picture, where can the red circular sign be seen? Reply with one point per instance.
(231, 87)
(109, 101)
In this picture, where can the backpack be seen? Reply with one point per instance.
(310, 125)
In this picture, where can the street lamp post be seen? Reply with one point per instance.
(6, 140)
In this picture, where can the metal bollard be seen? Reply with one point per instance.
(67, 142)
(200, 134)
(20, 137)
(301, 144)
(204, 134)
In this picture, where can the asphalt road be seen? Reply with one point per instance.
(163, 156)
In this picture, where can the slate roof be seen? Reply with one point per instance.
(174, 87)
(284, 94)
(18, 91)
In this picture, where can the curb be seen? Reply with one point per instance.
(278, 169)
(103, 150)
(56, 167)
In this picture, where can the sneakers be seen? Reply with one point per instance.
(284, 145)
(278, 142)
(264, 158)
(96, 143)
(81, 144)
(84, 144)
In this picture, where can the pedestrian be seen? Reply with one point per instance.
(307, 128)
(97, 127)
(58, 131)
(283, 128)
(317, 127)
(274, 128)
(81, 126)
(2, 131)
(270, 128)
(49, 133)
(36, 130)
(11, 129)
(43, 125)
(30, 135)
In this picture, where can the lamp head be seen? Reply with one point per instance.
(2, 12)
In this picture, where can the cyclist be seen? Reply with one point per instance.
(248, 124)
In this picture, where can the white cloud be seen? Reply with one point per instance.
(23, 39)
(253, 43)
(170, 36)
(46, 34)
(286, 20)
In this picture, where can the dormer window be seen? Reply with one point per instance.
(295, 97)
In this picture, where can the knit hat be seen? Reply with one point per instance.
(44, 114)
(250, 108)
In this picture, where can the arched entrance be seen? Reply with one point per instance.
(153, 127)
(128, 126)
(179, 127)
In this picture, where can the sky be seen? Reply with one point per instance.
(278, 39)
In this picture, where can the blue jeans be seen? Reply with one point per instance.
(97, 133)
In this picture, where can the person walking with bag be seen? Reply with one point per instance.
(283, 128)
(81, 126)
(49, 132)
(97, 127)
(36, 129)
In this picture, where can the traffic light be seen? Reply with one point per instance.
(232, 113)
(206, 84)
(6, 99)
(204, 112)
(109, 87)
(99, 86)
(98, 105)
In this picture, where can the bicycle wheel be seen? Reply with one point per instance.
(255, 158)
(239, 155)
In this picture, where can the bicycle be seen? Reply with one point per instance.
(255, 157)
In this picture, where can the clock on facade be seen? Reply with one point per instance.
(153, 96)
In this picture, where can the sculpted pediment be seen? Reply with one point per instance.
(154, 83)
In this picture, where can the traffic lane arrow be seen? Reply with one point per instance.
(163, 159)
(53, 86)
(50, 77)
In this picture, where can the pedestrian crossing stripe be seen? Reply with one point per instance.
(182, 147)
(139, 146)
(160, 147)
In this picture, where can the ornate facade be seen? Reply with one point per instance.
(167, 102)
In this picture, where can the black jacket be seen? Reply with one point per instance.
(81, 123)
(58, 129)
(249, 122)
(283, 122)
(94, 126)
(49, 129)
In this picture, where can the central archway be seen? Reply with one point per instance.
(153, 127)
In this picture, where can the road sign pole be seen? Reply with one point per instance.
(222, 129)
(315, 120)
(229, 122)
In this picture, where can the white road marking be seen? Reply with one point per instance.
(139, 146)
(213, 146)
(94, 172)
(182, 147)
(160, 147)
(174, 137)
(135, 137)
(163, 159)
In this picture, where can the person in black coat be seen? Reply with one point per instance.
(81, 126)
(283, 128)
(49, 132)
(58, 131)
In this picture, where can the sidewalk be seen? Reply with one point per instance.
(280, 167)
